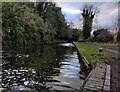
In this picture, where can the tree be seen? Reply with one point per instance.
(102, 35)
(53, 17)
(76, 34)
(42, 8)
(22, 25)
(27, 23)
(89, 12)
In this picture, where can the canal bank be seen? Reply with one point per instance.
(98, 79)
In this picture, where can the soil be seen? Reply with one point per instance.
(114, 76)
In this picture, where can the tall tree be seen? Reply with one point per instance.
(89, 12)
(53, 17)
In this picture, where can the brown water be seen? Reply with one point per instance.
(38, 68)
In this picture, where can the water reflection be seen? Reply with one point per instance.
(69, 77)
(41, 67)
(70, 66)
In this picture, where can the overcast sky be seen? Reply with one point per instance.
(107, 16)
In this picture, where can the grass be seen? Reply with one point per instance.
(107, 45)
(92, 54)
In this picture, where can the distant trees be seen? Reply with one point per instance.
(76, 34)
(89, 12)
(103, 35)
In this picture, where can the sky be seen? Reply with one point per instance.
(107, 17)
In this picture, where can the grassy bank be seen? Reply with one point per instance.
(92, 54)
(107, 45)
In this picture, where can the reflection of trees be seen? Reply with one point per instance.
(31, 63)
(32, 66)
(28, 58)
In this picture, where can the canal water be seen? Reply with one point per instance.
(39, 68)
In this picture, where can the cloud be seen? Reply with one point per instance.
(71, 11)
(108, 12)
(85, 0)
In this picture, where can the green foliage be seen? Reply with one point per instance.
(25, 23)
(86, 32)
(21, 24)
(67, 35)
(53, 18)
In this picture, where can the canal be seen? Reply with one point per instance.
(37, 68)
